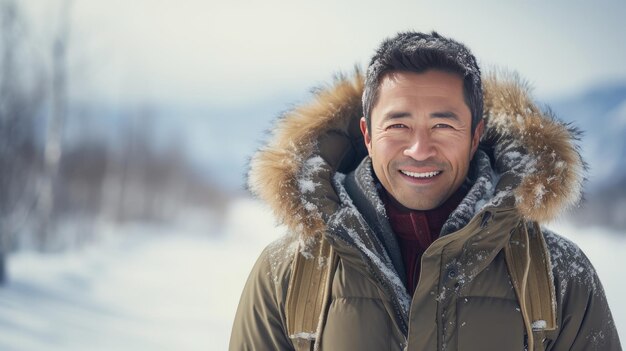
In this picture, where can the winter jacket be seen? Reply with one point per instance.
(317, 178)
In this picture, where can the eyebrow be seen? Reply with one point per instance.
(396, 115)
(443, 114)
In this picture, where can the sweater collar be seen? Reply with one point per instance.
(423, 225)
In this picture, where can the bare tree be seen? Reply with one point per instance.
(54, 131)
(19, 104)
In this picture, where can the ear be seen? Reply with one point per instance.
(478, 132)
(366, 135)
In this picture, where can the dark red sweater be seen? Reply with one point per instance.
(416, 230)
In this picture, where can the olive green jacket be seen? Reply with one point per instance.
(317, 178)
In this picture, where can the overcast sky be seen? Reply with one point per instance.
(233, 52)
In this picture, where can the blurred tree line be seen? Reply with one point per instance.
(54, 191)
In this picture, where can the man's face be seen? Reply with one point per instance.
(420, 140)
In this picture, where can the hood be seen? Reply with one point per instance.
(536, 152)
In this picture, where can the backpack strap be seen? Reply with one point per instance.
(308, 293)
(528, 262)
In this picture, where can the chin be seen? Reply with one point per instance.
(418, 207)
(422, 205)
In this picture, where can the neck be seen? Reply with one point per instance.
(442, 212)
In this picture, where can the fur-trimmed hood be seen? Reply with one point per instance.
(524, 141)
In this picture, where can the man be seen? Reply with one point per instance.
(429, 213)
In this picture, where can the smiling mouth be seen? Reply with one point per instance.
(421, 175)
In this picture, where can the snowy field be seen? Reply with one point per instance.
(177, 289)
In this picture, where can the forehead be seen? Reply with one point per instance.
(401, 91)
(432, 82)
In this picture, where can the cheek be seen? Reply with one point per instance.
(382, 154)
(388, 144)
(385, 151)
(458, 154)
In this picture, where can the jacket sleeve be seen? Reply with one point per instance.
(260, 319)
(585, 319)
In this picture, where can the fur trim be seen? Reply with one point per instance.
(553, 184)
(275, 168)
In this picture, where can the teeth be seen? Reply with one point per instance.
(420, 175)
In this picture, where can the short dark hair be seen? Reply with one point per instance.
(418, 52)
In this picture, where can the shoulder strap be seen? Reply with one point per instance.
(528, 262)
(308, 294)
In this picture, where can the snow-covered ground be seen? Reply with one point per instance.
(177, 289)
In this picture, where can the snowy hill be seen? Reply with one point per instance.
(601, 113)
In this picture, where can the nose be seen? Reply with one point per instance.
(421, 147)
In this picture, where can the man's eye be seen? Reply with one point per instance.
(442, 125)
(396, 126)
